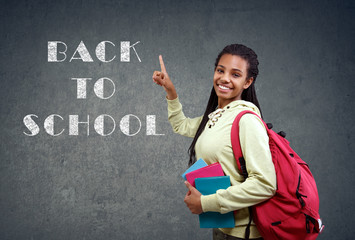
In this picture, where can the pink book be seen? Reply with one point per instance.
(213, 170)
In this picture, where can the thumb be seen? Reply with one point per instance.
(189, 186)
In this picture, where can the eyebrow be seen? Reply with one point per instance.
(236, 69)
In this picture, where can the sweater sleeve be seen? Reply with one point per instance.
(261, 182)
(181, 124)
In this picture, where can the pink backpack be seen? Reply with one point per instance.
(292, 213)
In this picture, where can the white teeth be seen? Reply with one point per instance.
(223, 87)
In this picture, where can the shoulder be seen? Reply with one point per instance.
(251, 121)
(247, 120)
(238, 106)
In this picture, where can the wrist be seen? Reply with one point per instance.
(171, 94)
(209, 203)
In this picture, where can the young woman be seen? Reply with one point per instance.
(233, 91)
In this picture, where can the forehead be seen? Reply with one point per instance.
(233, 61)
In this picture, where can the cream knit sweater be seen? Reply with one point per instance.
(214, 145)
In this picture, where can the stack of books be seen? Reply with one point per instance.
(208, 179)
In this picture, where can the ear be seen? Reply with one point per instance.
(248, 82)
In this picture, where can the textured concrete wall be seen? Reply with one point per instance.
(129, 187)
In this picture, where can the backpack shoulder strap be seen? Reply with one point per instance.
(237, 150)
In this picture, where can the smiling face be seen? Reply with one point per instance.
(230, 79)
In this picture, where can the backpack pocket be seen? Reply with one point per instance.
(293, 228)
(307, 192)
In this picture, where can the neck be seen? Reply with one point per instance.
(222, 103)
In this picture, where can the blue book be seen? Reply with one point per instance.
(207, 186)
(197, 165)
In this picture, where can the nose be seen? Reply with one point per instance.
(225, 78)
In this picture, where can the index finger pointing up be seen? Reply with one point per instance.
(162, 66)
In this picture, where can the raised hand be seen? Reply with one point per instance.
(162, 79)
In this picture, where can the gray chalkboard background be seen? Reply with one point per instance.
(129, 187)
